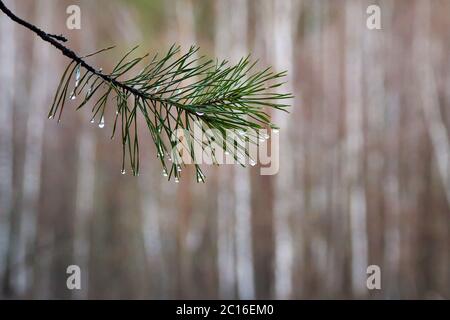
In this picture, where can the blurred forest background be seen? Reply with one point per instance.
(364, 176)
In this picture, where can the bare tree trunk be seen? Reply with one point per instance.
(429, 259)
(238, 24)
(152, 209)
(225, 220)
(151, 230)
(84, 206)
(429, 95)
(7, 85)
(188, 225)
(262, 218)
(374, 78)
(33, 156)
(284, 13)
(85, 187)
(354, 145)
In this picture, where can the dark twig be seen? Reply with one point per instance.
(58, 37)
(52, 39)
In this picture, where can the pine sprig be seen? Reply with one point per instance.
(172, 93)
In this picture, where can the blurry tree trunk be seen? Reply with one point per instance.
(317, 243)
(225, 242)
(429, 259)
(429, 94)
(238, 24)
(7, 92)
(284, 13)
(225, 219)
(84, 206)
(151, 231)
(33, 155)
(153, 217)
(354, 144)
(185, 23)
(329, 127)
(85, 186)
(262, 219)
(187, 222)
(390, 202)
(374, 82)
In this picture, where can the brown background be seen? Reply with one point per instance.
(364, 177)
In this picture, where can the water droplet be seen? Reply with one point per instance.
(227, 152)
(178, 168)
(200, 177)
(101, 124)
(266, 136)
(169, 157)
(177, 180)
(92, 120)
(117, 112)
(199, 113)
(156, 89)
(72, 96)
(164, 173)
(77, 75)
(50, 116)
(241, 133)
(100, 70)
(123, 171)
(252, 162)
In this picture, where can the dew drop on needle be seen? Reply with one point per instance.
(101, 124)
(77, 76)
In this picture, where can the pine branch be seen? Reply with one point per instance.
(172, 93)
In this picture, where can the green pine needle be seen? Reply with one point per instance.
(172, 93)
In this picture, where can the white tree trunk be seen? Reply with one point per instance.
(7, 85)
(242, 211)
(284, 14)
(38, 103)
(225, 220)
(85, 188)
(437, 130)
(354, 144)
